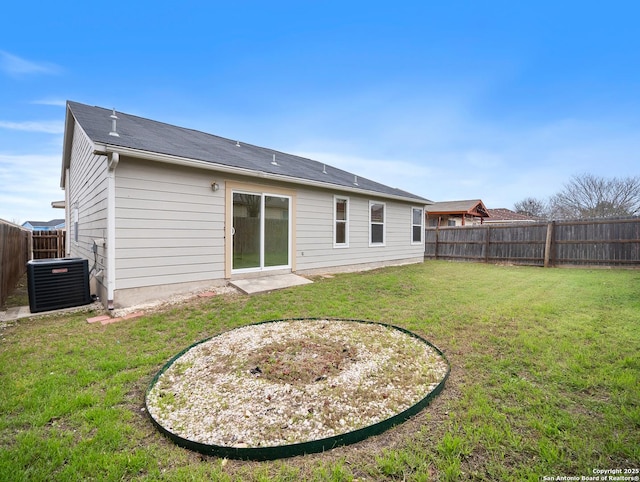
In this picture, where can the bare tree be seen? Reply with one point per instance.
(589, 196)
(531, 207)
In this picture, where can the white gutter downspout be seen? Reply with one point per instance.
(112, 162)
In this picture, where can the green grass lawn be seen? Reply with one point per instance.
(545, 380)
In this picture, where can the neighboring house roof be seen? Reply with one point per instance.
(139, 135)
(44, 224)
(507, 215)
(472, 207)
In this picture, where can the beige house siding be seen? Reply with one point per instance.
(87, 198)
(169, 225)
(315, 234)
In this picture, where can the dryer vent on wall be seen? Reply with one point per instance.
(58, 283)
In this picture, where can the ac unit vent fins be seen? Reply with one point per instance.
(58, 283)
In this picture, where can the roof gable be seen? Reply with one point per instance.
(473, 207)
(156, 137)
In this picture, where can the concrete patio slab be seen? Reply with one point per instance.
(19, 312)
(250, 286)
(15, 313)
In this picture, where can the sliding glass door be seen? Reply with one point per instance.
(246, 230)
(276, 231)
(261, 231)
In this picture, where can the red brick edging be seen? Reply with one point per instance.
(106, 319)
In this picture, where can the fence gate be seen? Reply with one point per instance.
(48, 244)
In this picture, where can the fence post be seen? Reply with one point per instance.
(487, 242)
(547, 244)
(435, 252)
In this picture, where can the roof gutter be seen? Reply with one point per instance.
(185, 161)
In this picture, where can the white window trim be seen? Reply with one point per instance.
(346, 222)
(417, 243)
(384, 224)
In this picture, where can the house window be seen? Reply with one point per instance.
(451, 222)
(341, 222)
(417, 225)
(376, 223)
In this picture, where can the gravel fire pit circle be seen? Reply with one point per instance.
(287, 387)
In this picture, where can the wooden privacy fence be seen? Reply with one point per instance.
(48, 244)
(594, 242)
(15, 251)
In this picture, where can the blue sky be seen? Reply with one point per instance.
(497, 100)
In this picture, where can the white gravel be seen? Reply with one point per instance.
(211, 395)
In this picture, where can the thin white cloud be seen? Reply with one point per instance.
(408, 176)
(53, 102)
(28, 184)
(469, 157)
(14, 65)
(47, 127)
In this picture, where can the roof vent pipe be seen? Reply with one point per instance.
(274, 162)
(324, 169)
(114, 130)
(355, 180)
(237, 143)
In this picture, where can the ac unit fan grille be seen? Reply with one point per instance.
(58, 283)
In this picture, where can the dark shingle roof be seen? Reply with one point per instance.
(157, 137)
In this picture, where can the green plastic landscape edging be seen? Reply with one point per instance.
(312, 446)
